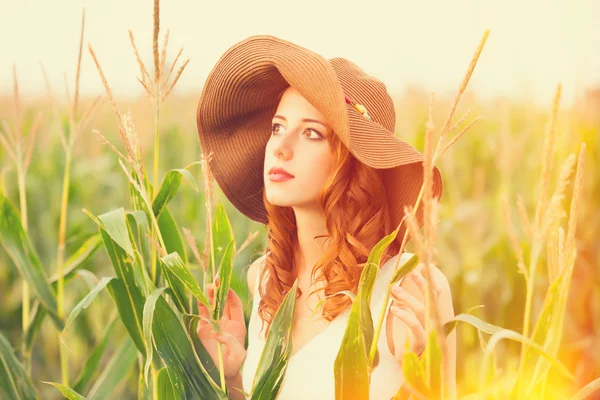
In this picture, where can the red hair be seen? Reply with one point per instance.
(356, 216)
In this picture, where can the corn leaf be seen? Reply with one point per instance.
(222, 232)
(433, 356)
(169, 187)
(128, 304)
(18, 246)
(14, 381)
(414, 373)
(86, 301)
(115, 225)
(191, 323)
(176, 351)
(352, 365)
(67, 391)
(75, 260)
(93, 361)
(169, 385)
(225, 270)
(71, 267)
(365, 290)
(174, 244)
(38, 314)
(587, 390)
(126, 291)
(176, 268)
(148, 315)
(138, 222)
(501, 333)
(405, 269)
(276, 353)
(115, 372)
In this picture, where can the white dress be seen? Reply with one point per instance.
(310, 371)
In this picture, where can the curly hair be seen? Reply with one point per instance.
(353, 189)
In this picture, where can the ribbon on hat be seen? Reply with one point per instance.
(359, 107)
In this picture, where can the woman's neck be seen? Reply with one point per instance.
(309, 224)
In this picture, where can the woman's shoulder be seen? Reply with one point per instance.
(390, 263)
(254, 272)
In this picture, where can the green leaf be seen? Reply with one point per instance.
(351, 367)
(222, 232)
(169, 187)
(176, 268)
(67, 391)
(414, 373)
(174, 244)
(126, 291)
(548, 330)
(138, 223)
(450, 325)
(148, 315)
(93, 361)
(115, 225)
(171, 236)
(14, 381)
(115, 372)
(176, 351)
(130, 305)
(191, 323)
(87, 300)
(18, 246)
(352, 364)
(587, 390)
(276, 353)
(498, 334)
(225, 280)
(38, 314)
(405, 269)
(433, 356)
(169, 385)
(75, 260)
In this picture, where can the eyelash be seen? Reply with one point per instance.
(310, 129)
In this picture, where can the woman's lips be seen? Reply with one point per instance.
(278, 177)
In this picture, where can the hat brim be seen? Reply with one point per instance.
(240, 97)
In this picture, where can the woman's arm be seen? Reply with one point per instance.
(409, 319)
(233, 384)
(446, 310)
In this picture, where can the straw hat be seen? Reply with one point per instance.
(241, 95)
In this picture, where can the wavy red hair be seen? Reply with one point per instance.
(353, 189)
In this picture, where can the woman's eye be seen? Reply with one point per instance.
(316, 134)
(274, 127)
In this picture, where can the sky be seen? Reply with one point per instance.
(533, 45)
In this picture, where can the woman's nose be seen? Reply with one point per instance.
(283, 149)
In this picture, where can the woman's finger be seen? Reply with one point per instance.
(421, 278)
(236, 349)
(400, 295)
(415, 327)
(236, 308)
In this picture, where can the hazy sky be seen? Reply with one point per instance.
(532, 45)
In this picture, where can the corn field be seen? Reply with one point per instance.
(111, 228)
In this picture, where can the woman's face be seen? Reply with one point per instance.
(298, 144)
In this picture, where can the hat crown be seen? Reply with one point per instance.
(366, 90)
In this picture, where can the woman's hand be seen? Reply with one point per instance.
(408, 310)
(233, 332)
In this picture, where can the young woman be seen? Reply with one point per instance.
(307, 146)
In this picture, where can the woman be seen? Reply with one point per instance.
(306, 146)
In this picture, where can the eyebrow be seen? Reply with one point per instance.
(303, 119)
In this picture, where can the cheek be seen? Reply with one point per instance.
(321, 166)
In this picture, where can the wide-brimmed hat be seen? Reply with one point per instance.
(240, 98)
